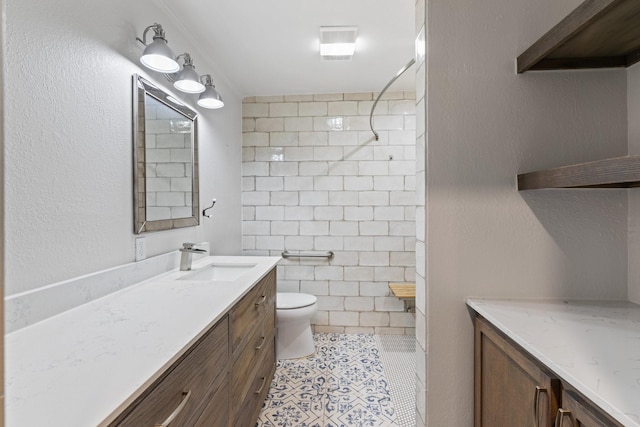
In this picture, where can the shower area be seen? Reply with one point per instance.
(338, 201)
(317, 181)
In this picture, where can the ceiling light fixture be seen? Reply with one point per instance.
(337, 43)
(157, 56)
(337, 49)
(210, 98)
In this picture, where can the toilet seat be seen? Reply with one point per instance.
(291, 301)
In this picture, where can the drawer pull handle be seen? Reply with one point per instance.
(262, 340)
(562, 413)
(536, 404)
(176, 412)
(262, 300)
(264, 381)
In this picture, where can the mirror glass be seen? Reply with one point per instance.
(165, 160)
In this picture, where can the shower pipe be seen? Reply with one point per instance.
(373, 107)
(327, 254)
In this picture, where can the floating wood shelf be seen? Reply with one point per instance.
(619, 172)
(598, 34)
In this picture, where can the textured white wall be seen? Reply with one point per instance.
(633, 111)
(484, 125)
(69, 145)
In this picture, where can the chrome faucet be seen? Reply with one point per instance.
(188, 249)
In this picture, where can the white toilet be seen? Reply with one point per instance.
(293, 322)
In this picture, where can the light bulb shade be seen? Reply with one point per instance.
(210, 98)
(159, 57)
(188, 80)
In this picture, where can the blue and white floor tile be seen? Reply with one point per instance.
(342, 384)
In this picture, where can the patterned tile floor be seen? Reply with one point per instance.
(342, 384)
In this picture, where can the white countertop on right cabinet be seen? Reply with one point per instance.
(592, 345)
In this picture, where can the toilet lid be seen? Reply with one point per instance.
(288, 301)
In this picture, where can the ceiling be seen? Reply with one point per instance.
(270, 47)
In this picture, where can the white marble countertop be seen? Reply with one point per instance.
(593, 346)
(83, 366)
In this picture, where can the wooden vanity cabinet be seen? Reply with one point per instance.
(510, 388)
(514, 389)
(578, 412)
(253, 350)
(222, 380)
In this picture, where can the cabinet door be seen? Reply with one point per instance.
(576, 412)
(510, 389)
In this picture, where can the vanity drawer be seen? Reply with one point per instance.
(246, 413)
(261, 342)
(186, 387)
(217, 411)
(254, 308)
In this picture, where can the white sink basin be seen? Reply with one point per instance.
(219, 272)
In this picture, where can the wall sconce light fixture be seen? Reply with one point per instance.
(210, 98)
(157, 56)
(187, 79)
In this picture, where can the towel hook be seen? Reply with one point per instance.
(204, 211)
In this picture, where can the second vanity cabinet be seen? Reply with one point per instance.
(510, 389)
(514, 389)
(223, 378)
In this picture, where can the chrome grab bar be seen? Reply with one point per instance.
(327, 254)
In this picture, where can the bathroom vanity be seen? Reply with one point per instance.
(556, 363)
(180, 349)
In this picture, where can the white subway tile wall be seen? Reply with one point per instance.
(315, 179)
